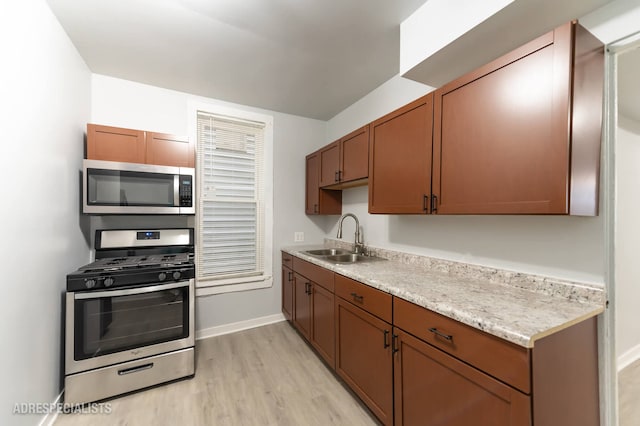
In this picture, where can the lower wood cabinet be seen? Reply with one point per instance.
(364, 357)
(412, 366)
(287, 292)
(313, 307)
(434, 388)
(302, 305)
(322, 323)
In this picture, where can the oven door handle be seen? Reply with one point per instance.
(129, 291)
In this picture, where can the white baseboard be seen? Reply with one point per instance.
(238, 326)
(51, 417)
(628, 358)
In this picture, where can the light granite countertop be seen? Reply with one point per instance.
(514, 306)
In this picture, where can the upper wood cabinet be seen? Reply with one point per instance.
(330, 164)
(521, 135)
(169, 150)
(137, 146)
(317, 200)
(400, 159)
(345, 160)
(115, 144)
(354, 155)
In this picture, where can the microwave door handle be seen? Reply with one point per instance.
(129, 291)
(176, 190)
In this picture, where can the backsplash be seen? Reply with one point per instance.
(572, 290)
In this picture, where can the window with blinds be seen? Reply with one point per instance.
(231, 203)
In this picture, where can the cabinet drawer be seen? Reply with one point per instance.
(499, 358)
(315, 273)
(287, 260)
(368, 298)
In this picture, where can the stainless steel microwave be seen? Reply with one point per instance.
(111, 187)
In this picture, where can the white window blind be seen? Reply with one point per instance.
(231, 203)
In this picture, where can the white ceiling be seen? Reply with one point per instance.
(306, 57)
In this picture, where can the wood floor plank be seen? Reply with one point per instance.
(263, 376)
(629, 395)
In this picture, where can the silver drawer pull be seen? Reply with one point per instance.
(135, 369)
(437, 332)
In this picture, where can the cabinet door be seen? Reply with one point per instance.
(312, 199)
(322, 323)
(330, 164)
(433, 388)
(502, 134)
(302, 305)
(354, 155)
(364, 359)
(317, 200)
(287, 293)
(115, 144)
(170, 150)
(400, 159)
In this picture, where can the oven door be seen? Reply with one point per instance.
(113, 326)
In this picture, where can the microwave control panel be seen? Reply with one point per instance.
(186, 191)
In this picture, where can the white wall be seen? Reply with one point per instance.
(437, 23)
(127, 104)
(562, 247)
(44, 106)
(627, 246)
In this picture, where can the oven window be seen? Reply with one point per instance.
(112, 324)
(124, 188)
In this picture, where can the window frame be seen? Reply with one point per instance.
(210, 287)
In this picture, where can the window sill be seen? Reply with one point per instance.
(207, 288)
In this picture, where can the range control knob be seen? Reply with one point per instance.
(162, 276)
(90, 283)
(108, 282)
(177, 275)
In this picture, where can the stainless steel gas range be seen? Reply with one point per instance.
(130, 314)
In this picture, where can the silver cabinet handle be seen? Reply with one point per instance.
(437, 332)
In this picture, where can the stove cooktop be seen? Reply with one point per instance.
(90, 278)
(127, 262)
(126, 258)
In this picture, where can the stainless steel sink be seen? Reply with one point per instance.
(327, 252)
(351, 258)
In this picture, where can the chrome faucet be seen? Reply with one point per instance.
(358, 245)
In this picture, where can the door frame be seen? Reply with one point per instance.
(607, 324)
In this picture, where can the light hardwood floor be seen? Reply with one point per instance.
(262, 376)
(629, 395)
